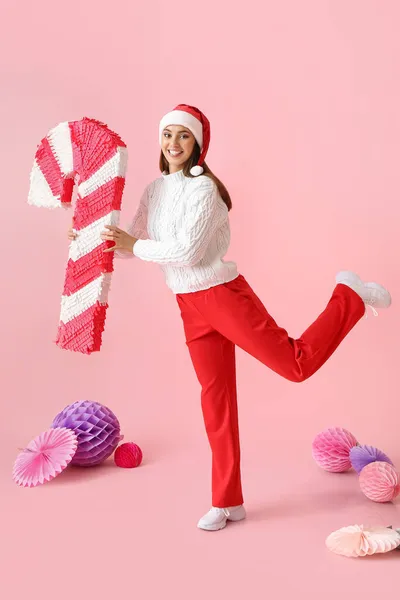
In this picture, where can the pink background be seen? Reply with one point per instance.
(303, 99)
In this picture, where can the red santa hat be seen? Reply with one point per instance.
(194, 120)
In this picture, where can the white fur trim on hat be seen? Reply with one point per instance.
(181, 117)
(196, 170)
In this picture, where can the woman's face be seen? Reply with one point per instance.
(177, 146)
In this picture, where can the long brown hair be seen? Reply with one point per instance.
(164, 166)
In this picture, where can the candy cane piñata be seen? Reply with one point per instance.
(88, 153)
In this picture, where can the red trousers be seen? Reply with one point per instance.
(217, 319)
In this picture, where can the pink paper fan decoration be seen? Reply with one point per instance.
(331, 449)
(379, 481)
(358, 540)
(45, 457)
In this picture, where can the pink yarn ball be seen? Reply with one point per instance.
(379, 481)
(331, 449)
(128, 455)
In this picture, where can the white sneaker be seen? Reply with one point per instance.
(216, 518)
(373, 294)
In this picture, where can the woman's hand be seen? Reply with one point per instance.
(72, 235)
(123, 241)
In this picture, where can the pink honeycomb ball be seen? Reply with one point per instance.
(331, 449)
(379, 481)
(128, 455)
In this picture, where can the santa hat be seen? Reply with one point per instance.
(194, 120)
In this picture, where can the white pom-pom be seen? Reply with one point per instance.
(196, 170)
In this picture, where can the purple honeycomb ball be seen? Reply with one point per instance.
(97, 428)
(361, 456)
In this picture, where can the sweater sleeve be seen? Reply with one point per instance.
(190, 244)
(138, 226)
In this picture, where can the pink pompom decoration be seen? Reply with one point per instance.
(128, 455)
(358, 540)
(331, 449)
(379, 481)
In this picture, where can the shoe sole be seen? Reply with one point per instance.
(218, 527)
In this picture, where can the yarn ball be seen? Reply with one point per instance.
(128, 455)
(361, 456)
(96, 427)
(331, 449)
(379, 481)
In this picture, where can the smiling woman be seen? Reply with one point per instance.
(182, 224)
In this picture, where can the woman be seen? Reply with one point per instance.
(182, 224)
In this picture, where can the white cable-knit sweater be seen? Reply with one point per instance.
(182, 224)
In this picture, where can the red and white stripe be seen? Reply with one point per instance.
(85, 152)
